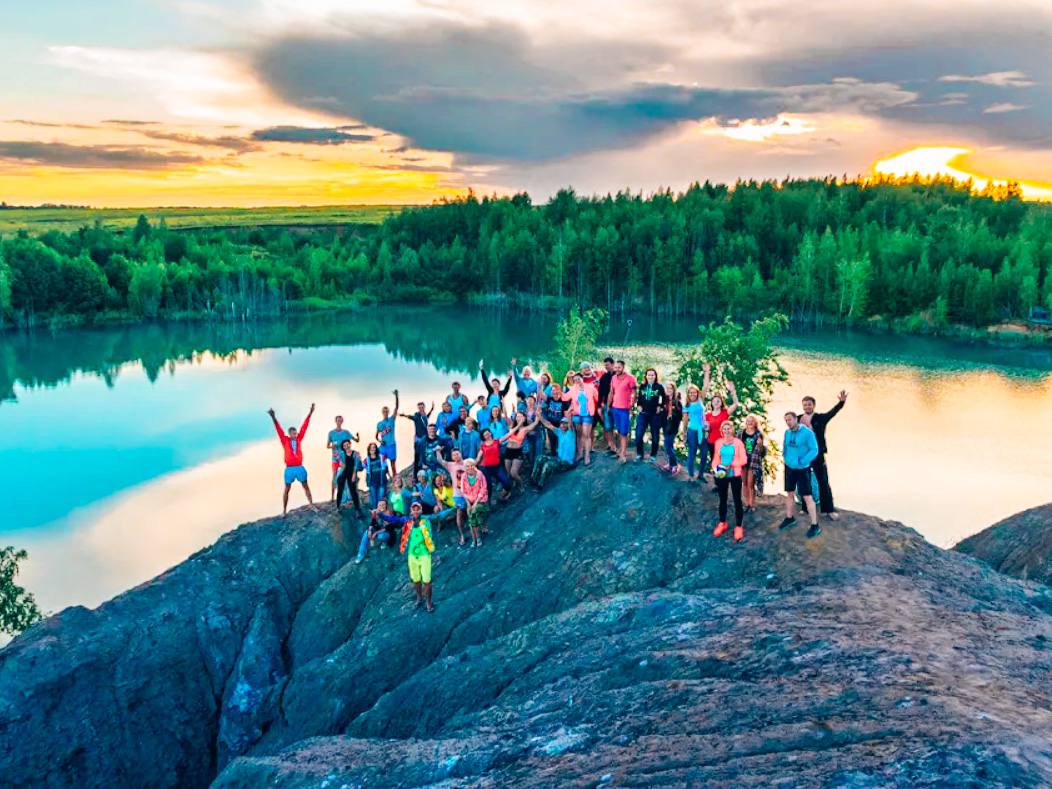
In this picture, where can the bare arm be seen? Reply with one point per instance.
(707, 382)
(734, 397)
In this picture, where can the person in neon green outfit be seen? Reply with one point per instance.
(418, 547)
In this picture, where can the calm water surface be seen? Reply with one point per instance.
(124, 450)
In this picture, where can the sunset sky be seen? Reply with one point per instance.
(296, 102)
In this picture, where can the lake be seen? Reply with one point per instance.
(126, 449)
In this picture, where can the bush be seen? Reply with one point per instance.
(18, 609)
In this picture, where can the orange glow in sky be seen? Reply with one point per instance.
(929, 162)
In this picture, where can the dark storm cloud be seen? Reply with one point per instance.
(302, 134)
(482, 93)
(58, 154)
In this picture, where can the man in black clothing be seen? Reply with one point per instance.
(603, 418)
(818, 423)
(419, 420)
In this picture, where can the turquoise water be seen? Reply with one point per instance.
(126, 449)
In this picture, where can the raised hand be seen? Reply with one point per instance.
(705, 368)
(842, 397)
(312, 408)
(271, 412)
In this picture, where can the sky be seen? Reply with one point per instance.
(319, 102)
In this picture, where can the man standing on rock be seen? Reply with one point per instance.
(292, 444)
(818, 423)
(622, 392)
(799, 449)
(418, 547)
(420, 421)
(385, 435)
(603, 417)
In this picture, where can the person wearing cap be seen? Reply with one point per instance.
(566, 453)
(417, 546)
(475, 490)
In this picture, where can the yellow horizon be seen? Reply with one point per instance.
(949, 161)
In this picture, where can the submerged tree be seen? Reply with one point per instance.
(575, 340)
(18, 609)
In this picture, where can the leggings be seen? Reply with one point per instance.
(735, 485)
(344, 480)
(696, 444)
(670, 449)
(495, 474)
(645, 421)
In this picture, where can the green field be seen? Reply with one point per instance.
(39, 220)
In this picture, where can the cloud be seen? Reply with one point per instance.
(58, 154)
(1004, 106)
(124, 122)
(999, 79)
(238, 144)
(302, 134)
(46, 125)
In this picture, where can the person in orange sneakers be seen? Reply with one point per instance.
(728, 460)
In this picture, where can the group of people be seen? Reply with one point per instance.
(474, 453)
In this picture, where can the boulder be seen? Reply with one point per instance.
(1020, 546)
(600, 636)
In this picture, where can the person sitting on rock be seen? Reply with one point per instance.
(378, 531)
(566, 453)
(292, 444)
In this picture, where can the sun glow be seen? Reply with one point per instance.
(931, 162)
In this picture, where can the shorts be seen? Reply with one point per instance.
(513, 453)
(798, 479)
(389, 451)
(295, 474)
(420, 569)
(582, 419)
(621, 418)
(460, 502)
(335, 467)
(608, 419)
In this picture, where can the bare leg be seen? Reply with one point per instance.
(310, 499)
(809, 502)
(748, 491)
(516, 465)
(285, 502)
(460, 524)
(623, 453)
(790, 504)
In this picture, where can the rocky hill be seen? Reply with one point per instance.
(1020, 546)
(602, 637)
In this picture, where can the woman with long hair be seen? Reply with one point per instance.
(694, 428)
(377, 474)
(728, 460)
(347, 475)
(673, 417)
(719, 412)
(583, 398)
(650, 400)
(521, 429)
(489, 462)
(755, 450)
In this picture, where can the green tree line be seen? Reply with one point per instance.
(924, 253)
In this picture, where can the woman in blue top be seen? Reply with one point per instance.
(694, 429)
(497, 425)
(377, 474)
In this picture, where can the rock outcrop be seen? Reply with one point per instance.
(1020, 546)
(601, 637)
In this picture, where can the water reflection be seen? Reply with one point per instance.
(129, 448)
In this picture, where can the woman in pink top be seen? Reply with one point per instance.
(728, 460)
(583, 399)
(718, 412)
(475, 491)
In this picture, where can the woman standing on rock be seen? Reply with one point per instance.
(718, 413)
(347, 475)
(583, 398)
(475, 490)
(489, 462)
(694, 429)
(673, 417)
(377, 474)
(752, 474)
(728, 460)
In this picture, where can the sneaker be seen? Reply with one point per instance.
(721, 527)
(359, 560)
(814, 531)
(787, 523)
(674, 470)
(739, 534)
(834, 515)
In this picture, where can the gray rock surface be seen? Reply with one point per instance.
(1020, 546)
(601, 637)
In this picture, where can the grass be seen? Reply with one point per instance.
(40, 220)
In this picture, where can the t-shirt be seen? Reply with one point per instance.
(714, 422)
(695, 415)
(420, 423)
(553, 410)
(750, 441)
(456, 470)
(336, 438)
(566, 447)
(498, 428)
(582, 403)
(491, 454)
(604, 387)
(385, 428)
(396, 500)
(621, 389)
(469, 443)
(458, 401)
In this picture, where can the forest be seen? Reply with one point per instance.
(919, 255)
